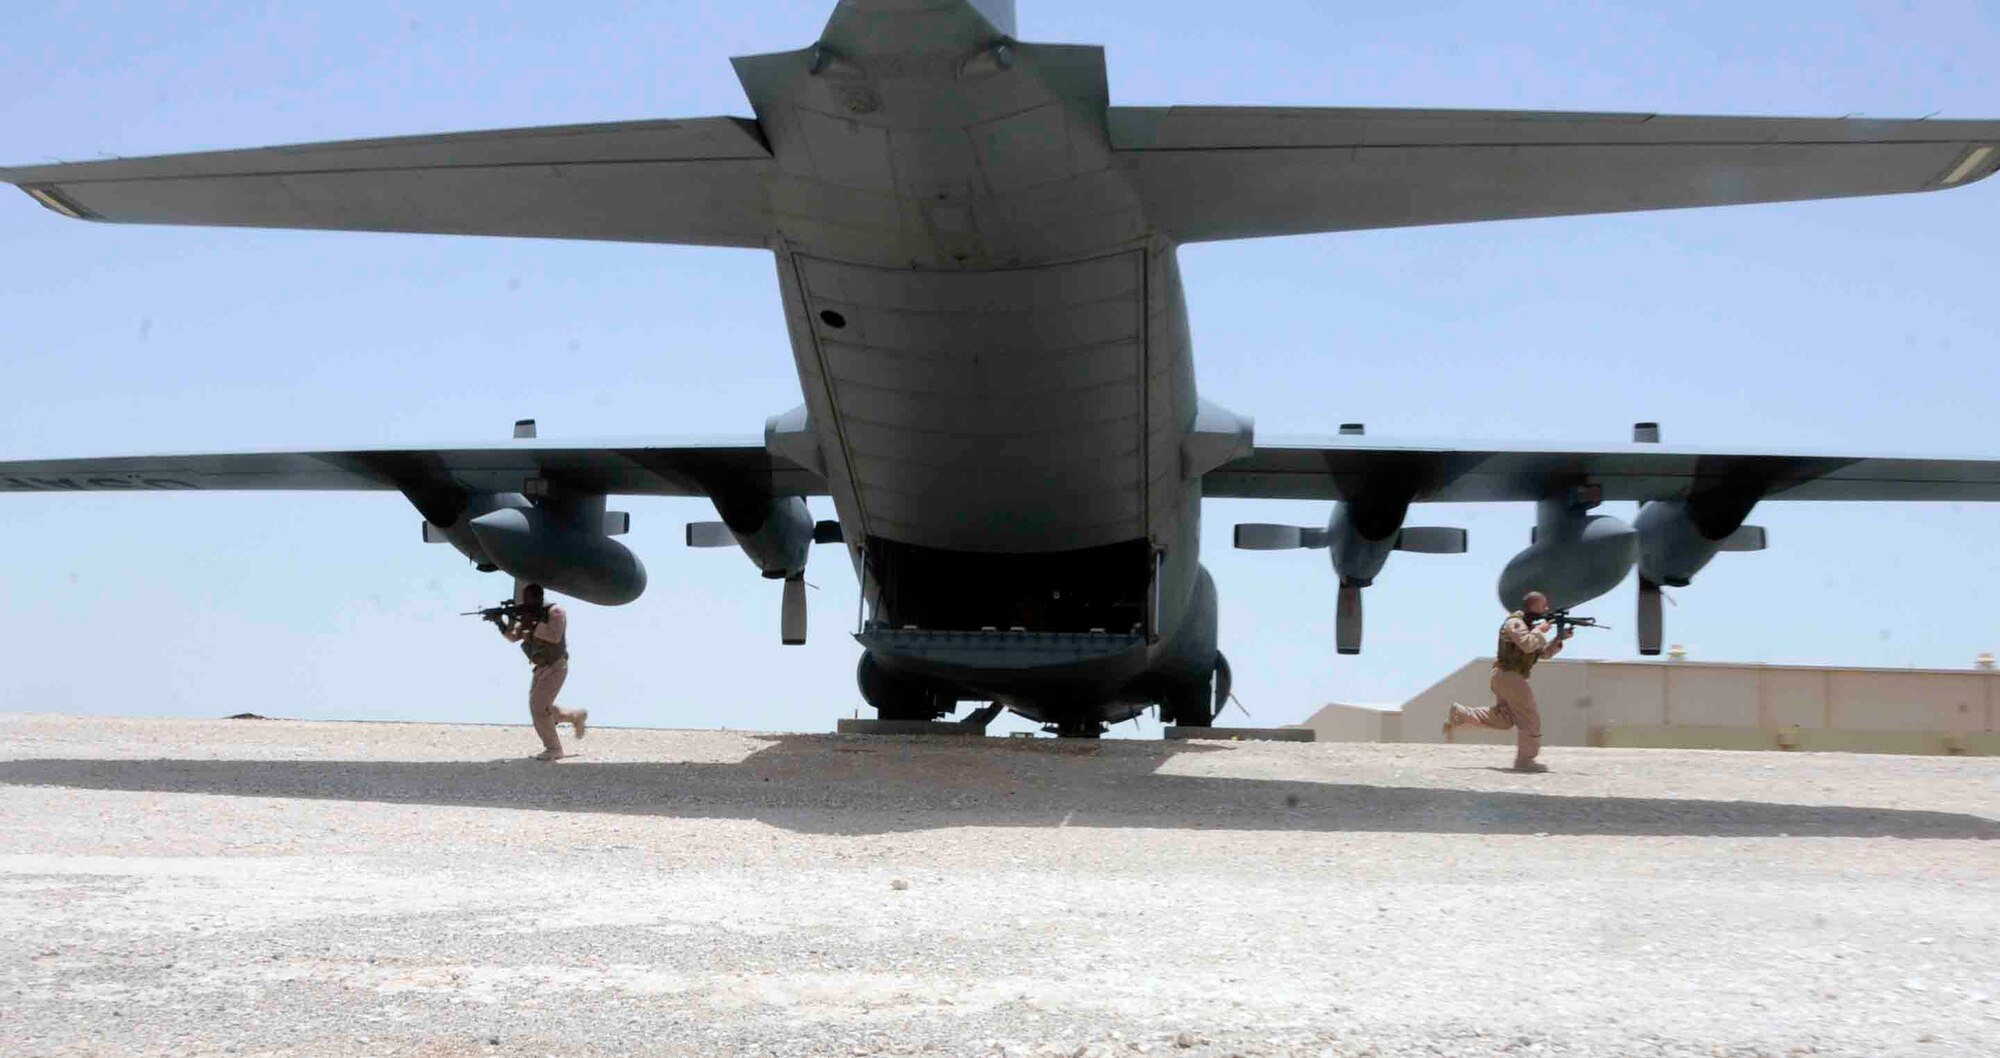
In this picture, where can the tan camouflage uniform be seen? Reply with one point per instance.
(546, 643)
(1513, 699)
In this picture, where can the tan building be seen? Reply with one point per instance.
(1708, 705)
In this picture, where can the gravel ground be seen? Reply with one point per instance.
(181, 887)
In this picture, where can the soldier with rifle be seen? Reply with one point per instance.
(1524, 639)
(543, 632)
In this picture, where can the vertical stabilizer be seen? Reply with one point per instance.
(861, 27)
(999, 12)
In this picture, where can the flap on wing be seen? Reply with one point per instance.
(632, 470)
(1242, 172)
(692, 181)
(1335, 469)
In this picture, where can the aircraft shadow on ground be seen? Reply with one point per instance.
(816, 784)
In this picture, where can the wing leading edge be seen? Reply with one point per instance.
(1337, 469)
(695, 181)
(1306, 470)
(697, 469)
(1208, 173)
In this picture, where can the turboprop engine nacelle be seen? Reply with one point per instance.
(1359, 538)
(1358, 552)
(448, 520)
(1679, 537)
(1674, 545)
(1575, 557)
(566, 552)
(777, 534)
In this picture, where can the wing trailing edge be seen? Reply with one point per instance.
(637, 469)
(1346, 468)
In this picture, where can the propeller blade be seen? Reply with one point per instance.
(1651, 622)
(1225, 688)
(1745, 538)
(792, 620)
(710, 534)
(1259, 536)
(1431, 540)
(1347, 620)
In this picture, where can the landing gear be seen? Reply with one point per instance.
(983, 716)
(1191, 705)
(896, 698)
(1198, 704)
(1071, 727)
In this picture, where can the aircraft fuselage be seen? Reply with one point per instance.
(994, 353)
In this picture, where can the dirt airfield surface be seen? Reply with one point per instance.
(175, 887)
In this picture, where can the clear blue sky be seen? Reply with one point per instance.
(1862, 326)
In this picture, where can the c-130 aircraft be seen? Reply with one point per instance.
(976, 258)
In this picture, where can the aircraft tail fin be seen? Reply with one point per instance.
(998, 12)
(888, 25)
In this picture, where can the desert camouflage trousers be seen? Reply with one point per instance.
(542, 708)
(1513, 707)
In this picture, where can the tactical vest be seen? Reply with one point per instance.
(1510, 658)
(543, 651)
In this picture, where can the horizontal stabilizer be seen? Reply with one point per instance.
(694, 181)
(1432, 540)
(1246, 172)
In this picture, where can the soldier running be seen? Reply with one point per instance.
(1521, 645)
(543, 632)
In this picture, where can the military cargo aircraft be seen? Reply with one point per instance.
(976, 258)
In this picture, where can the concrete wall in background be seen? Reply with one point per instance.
(1709, 705)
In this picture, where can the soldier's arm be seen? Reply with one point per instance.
(553, 627)
(1530, 641)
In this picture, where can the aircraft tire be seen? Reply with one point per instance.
(1191, 705)
(894, 698)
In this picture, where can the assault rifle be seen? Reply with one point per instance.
(509, 612)
(1564, 622)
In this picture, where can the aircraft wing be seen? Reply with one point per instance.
(1208, 173)
(1343, 468)
(637, 469)
(694, 181)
